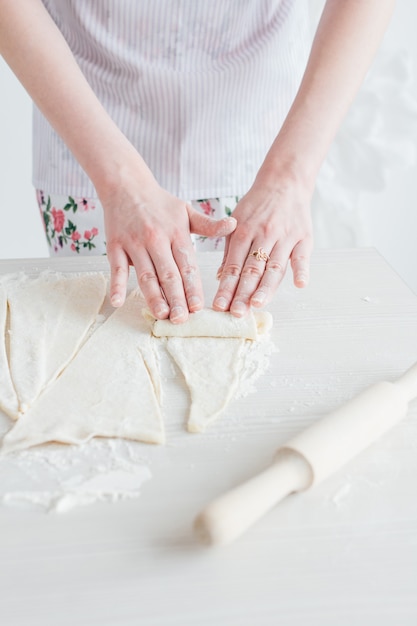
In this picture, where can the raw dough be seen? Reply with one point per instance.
(212, 368)
(210, 323)
(106, 390)
(8, 398)
(49, 318)
(211, 350)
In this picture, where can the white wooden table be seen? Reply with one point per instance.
(343, 553)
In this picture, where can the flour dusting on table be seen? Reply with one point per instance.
(257, 360)
(59, 478)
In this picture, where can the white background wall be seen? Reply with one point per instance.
(389, 217)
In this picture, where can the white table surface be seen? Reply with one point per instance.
(340, 554)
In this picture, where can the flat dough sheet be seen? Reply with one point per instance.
(107, 390)
(50, 317)
(212, 369)
(108, 385)
(8, 398)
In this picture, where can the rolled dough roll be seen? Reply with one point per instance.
(210, 323)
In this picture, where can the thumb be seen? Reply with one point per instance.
(203, 225)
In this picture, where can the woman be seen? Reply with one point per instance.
(145, 108)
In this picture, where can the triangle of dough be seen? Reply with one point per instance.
(106, 390)
(210, 349)
(212, 369)
(8, 397)
(49, 318)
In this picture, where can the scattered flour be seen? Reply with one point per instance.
(58, 478)
(257, 359)
(341, 494)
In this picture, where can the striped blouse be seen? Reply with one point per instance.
(200, 87)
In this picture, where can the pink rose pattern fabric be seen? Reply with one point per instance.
(75, 226)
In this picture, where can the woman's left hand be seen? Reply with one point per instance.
(273, 228)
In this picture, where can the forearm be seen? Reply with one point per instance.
(344, 46)
(38, 54)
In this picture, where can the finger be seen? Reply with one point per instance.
(231, 271)
(274, 273)
(186, 261)
(201, 224)
(300, 262)
(119, 273)
(225, 253)
(170, 282)
(149, 284)
(251, 275)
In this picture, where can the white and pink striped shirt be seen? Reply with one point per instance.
(200, 87)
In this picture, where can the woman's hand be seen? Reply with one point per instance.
(272, 218)
(274, 214)
(150, 229)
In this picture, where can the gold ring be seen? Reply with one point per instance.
(260, 255)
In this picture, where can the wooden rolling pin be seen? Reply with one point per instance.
(309, 458)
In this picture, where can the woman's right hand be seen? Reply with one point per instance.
(149, 228)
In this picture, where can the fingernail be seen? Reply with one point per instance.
(177, 313)
(161, 311)
(221, 303)
(194, 302)
(238, 308)
(301, 278)
(116, 300)
(259, 297)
